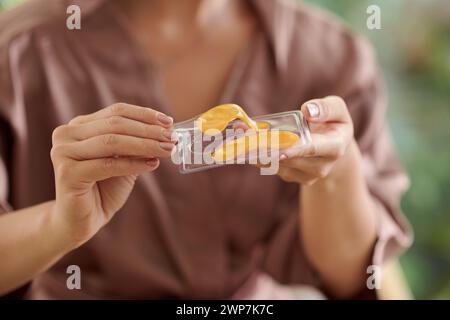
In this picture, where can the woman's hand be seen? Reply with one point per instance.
(96, 160)
(332, 134)
(337, 215)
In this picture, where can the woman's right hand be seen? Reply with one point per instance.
(96, 160)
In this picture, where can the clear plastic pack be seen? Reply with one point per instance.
(196, 151)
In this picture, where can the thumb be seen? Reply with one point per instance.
(331, 108)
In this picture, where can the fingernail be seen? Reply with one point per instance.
(313, 110)
(283, 156)
(166, 146)
(168, 134)
(164, 119)
(151, 162)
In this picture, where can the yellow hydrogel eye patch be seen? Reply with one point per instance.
(262, 125)
(219, 117)
(246, 144)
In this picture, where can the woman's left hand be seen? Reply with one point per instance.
(332, 134)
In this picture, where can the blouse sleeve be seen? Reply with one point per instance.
(362, 89)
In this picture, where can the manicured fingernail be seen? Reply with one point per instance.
(283, 156)
(168, 134)
(151, 162)
(166, 146)
(164, 119)
(313, 110)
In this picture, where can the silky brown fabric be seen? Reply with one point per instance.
(204, 235)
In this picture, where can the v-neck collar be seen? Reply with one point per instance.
(266, 14)
(230, 88)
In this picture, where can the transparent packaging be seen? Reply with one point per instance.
(193, 148)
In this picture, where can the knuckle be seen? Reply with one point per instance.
(109, 139)
(53, 155)
(147, 113)
(57, 133)
(63, 170)
(146, 130)
(117, 108)
(150, 146)
(75, 120)
(109, 164)
(56, 152)
(113, 121)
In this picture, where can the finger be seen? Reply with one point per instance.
(317, 167)
(115, 145)
(293, 175)
(240, 125)
(123, 126)
(331, 145)
(329, 109)
(102, 169)
(133, 112)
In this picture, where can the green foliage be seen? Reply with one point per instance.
(6, 4)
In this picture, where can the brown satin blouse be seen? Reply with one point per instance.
(212, 234)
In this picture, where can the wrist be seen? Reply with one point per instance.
(59, 236)
(350, 161)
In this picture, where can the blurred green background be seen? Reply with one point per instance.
(413, 48)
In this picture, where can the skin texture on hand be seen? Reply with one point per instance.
(331, 132)
(97, 159)
(337, 215)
